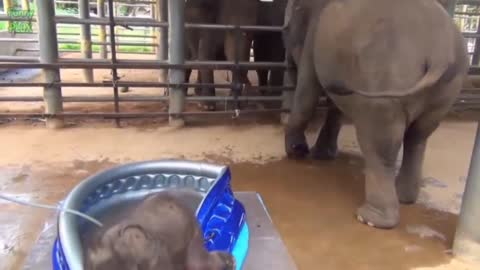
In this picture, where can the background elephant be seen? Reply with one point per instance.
(206, 44)
(361, 54)
(268, 46)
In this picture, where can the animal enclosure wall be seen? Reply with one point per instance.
(95, 37)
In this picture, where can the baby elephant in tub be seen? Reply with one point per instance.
(160, 233)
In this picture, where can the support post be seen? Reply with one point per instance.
(7, 5)
(451, 5)
(176, 37)
(102, 34)
(48, 55)
(85, 38)
(287, 96)
(25, 5)
(476, 50)
(467, 239)
(161, 11)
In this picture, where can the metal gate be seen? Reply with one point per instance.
(170, 57)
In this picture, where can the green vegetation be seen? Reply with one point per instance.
(72, 32)
(96, 48)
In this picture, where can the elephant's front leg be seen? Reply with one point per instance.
(206, 76)
(238, 48)
(326, 146)
(380, 131)
(303, 108)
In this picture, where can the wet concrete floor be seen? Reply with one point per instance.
(311, 203)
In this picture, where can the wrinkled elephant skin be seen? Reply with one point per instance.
(161, 232)
(394, 68)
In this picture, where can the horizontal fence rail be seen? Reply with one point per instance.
(109, 42)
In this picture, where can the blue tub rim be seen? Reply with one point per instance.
(74, 200)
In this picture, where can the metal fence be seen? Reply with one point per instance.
(169, 57)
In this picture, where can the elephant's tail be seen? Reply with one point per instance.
(431, 77)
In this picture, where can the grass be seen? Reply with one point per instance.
(121, 49)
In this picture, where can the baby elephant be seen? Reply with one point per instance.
(160, 233)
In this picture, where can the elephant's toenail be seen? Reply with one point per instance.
(360, 218)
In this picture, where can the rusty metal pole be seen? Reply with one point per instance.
(176, 38)
(85, 37)
(161, 11)
(48, 55)
(102, 34)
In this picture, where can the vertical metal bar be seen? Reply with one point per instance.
(451, 5)
(237, 87)
(161, 10)
(467, 238)
(476, 51)
(113, 51)
(49, 55)
(7, 5)
(287, 100)
(25, 5)
(176, 37)
(287, 96)
(102, 34)
(152, 31)
(85, 37)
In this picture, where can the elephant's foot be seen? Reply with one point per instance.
(296, 145)
(374, 217)
(407, 190)
(207, 106)
(324, 152)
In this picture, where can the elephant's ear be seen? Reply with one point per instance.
(135, 246)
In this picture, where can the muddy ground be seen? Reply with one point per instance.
(312, 203)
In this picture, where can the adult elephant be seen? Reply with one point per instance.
(268, 46)
(207, 44)
(393, 67)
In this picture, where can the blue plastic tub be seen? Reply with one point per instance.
(221, 216)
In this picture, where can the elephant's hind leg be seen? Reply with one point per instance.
(415, 142)
(416, 136)
(380, 132)
(304, 102)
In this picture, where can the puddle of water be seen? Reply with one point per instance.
(313, 205)
(46, 184)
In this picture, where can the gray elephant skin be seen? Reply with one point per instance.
(268, 46)
(394, 68)
(159, 232)
(207, 44)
